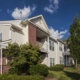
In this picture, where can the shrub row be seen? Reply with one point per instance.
(13, 71)
(58, 67)
(16, 77)
(40, 69)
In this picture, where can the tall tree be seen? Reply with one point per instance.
(74, 40)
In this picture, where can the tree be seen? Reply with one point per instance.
(26, 55)
(12, 51)
(74, 40)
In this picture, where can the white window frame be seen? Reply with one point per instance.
(52, 61)
(1, 37)
(61, 60)
(51, 45)
(60, 46)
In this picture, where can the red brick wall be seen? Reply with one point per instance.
(32, 35)
(4, 60)
(0, 68)
(5, 68)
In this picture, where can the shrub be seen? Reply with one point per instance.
(64, 78)
(58, 67)
(40, 69)
(13, 71)
(51, 75)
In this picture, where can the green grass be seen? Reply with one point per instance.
(20, 77)
(68, 74)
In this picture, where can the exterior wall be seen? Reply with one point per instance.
(6, 35)
(5, 30)
(19, 36)
(32, 35)
(40, 23)
(25, 34)
(56, 54)
(52, 54)
(45, 48)
(60, 53)
(5, 68)
(16, 36)
(10, 32)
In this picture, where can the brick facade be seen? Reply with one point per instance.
(32, 34)
(5, 68)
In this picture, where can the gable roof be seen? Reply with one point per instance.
(43, 21)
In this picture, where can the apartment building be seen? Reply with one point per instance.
(33, 31)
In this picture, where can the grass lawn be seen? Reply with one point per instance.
(68, 74)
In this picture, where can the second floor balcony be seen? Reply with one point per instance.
(42, 40)
(43, 46)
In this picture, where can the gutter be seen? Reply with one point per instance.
(61, 41)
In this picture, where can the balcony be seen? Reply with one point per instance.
(43, 46)
(67, 52)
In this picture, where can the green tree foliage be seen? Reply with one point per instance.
(12, 51)
(74, 39)
(21, 57)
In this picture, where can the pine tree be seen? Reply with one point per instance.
(74, 40)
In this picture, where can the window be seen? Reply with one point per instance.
(61, 60)
(0, 37)
(51, 61)
(51, 45)
(60, 46)
(40, 22)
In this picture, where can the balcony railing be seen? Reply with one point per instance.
(67, 52)
(43, 46)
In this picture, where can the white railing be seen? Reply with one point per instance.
(43, 46)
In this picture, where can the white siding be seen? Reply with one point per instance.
(5, 30)
(56, 54)
(40, 23)
(20, 37)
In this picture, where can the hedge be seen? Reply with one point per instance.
(58, 67)
(40, 69)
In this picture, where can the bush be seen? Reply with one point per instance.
(51, 75)
(58, 67)
(40, 69)
(13, 71)
(64, 78)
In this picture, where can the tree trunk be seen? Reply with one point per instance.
(76, 64)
